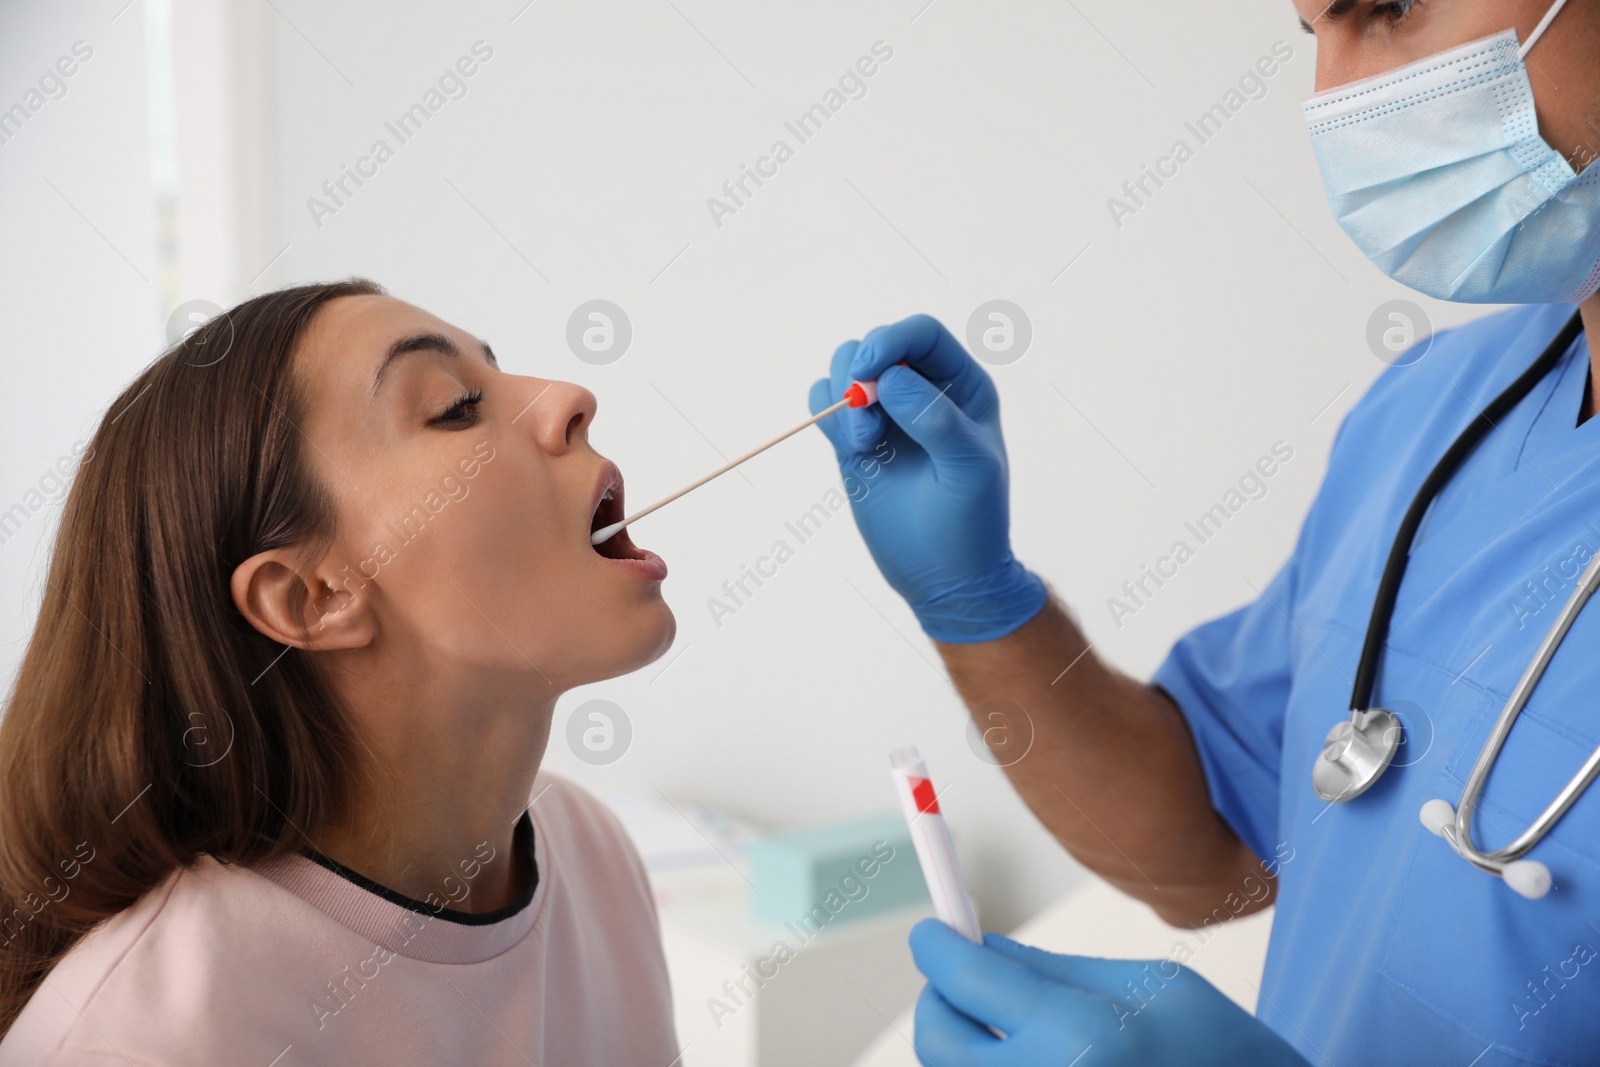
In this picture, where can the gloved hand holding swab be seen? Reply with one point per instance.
(859, 395)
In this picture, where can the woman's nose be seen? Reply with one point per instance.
(561, 414)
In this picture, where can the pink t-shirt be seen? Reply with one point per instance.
(287, 963)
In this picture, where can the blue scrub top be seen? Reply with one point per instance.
(1388, 948)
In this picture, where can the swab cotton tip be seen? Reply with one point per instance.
(606, 533)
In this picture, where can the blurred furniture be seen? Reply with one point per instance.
(818, 1002)
(756, 991)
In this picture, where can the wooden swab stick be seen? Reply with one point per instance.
(859, 395)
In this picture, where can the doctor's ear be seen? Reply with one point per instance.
(313, 608)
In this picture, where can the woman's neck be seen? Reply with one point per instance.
(456, 761)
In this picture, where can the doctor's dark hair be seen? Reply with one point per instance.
(150, 723)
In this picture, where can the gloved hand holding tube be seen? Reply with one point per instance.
(938, 521)
(1051, 1008)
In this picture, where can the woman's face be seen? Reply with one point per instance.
(464, 498)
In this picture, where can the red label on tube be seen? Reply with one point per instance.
(922, 793)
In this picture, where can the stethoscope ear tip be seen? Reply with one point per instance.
(1528, 878)
(1438, 816)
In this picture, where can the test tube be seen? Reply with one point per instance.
(931, 838)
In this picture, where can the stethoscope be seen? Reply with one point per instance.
(1357, 751)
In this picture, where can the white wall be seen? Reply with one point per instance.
(79, 305)
(1227, 314)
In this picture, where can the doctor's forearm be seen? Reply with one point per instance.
(1112, 771)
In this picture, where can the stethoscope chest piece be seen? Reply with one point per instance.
(1356, 752)
(1360, 749)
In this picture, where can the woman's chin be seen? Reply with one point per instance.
(669, 633)
(649, 641)
(641, 637)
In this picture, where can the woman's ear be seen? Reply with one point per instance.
(300, 606)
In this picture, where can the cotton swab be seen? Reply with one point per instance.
(859, 395)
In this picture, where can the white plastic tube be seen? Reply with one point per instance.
(931, 838)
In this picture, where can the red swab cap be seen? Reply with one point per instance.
(865, 394)
(862, 394)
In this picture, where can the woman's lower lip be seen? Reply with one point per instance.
(652, 568)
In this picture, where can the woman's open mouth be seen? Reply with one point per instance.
(619, 547)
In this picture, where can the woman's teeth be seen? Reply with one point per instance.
(610, 539)
(607, 515)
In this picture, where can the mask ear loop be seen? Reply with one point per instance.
(1538, 31)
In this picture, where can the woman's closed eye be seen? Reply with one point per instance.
(461, 414)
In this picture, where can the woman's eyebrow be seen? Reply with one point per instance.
(424, 342)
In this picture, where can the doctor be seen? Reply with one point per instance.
(1460, 512)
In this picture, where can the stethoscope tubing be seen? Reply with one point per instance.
(1400, 553)
(1502, 729)
(1459, 834)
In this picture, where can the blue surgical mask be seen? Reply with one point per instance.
(1437, 171)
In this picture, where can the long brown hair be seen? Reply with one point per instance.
(150, 723)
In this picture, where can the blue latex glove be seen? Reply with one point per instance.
(936, 515)
(1148, 1012)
